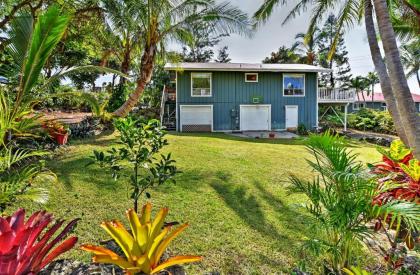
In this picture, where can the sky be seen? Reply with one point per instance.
(272, 35)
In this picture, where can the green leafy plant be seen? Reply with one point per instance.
(20, 174)
(141, 142)
(143, 246)
(340, 200)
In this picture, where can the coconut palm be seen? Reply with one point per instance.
(394, 85)
(308, 45)
(359, 83)
(122, 33)
(410, 57)
(372, 78)
(162, 20)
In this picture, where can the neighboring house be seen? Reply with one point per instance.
(377, 103)
(245, 97)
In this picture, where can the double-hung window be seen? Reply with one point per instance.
(293, 84)
(201, 84)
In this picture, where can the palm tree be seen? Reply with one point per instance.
(380, 68)
(161, 20)
(410, 57)
(359, 83)
(284, 55)
(308, 44)
(394, 85)
(401, 91)
(122, 32)
(372, 78)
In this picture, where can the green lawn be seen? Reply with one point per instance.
(232, 192)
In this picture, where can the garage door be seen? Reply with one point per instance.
(196, 118)
(255, 117)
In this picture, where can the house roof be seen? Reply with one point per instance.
(244, 67)
(379, 97)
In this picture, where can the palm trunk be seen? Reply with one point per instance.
(418, 78)
(125, 64)
(381, 70)
(404, 101)
(146, 73)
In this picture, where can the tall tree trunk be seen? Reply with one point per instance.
(125, 64)
(405, 103)
(146, 73)
(381, 70)
(418, 78)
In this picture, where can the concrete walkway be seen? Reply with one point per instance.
(264, 134)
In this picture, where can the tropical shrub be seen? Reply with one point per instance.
(24, 246)
(372, 120)
(143, 246)
(141, 142)
(340, 200)
(20, 175)
(398, 179)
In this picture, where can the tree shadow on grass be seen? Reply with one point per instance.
(247, 208)
(78, 169)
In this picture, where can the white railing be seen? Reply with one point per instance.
(336, 95)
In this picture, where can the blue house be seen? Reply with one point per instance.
(209, 97)
(365, 100)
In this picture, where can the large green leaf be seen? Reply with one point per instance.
(48, 31)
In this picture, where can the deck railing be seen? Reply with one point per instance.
(331, 95)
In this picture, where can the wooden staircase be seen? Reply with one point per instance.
(168, 108)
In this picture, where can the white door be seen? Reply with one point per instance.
(196, 118)
(291, 116)
(255, 117)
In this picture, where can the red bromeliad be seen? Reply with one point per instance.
(24, 249)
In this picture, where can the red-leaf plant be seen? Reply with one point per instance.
(398, 179)
(25, 249)
(399, 175)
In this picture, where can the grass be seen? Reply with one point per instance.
(232, 192)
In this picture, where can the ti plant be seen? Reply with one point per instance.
(143, 246)
(141, 142)
(25, 249)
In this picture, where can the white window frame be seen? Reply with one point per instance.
(384, 107)
(211, 84)
(304, 84)
(251, 81)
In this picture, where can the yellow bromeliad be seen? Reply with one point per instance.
(144, 246)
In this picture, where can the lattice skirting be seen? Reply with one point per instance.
(196, 128)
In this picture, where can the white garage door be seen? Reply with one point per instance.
(196, 118)
(255, 117)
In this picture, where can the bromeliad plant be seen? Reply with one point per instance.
(143, 246)
(24, 246)
(140, 144)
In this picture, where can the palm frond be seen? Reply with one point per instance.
(47, 32)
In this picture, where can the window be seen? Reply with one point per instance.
(384, 107)
(201, 84)
(251, 77)
(357, 106)
(294, 85)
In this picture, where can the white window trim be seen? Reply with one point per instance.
(211, 85)
(202, 105)
(250, 81)
(304, 84)
(384, 107)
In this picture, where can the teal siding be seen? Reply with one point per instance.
(229, 91)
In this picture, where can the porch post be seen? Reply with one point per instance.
(345, 117)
